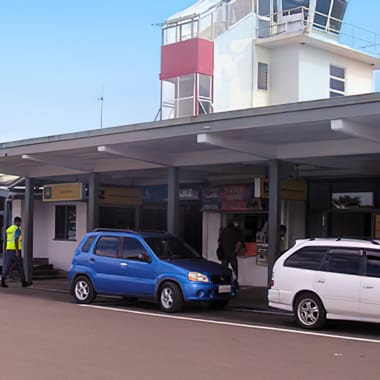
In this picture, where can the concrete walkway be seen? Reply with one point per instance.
(248, 297)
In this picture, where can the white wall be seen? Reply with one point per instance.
(283, 74)
(59, 252)
(233, 62)
(314, 75)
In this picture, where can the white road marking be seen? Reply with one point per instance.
(233, 324)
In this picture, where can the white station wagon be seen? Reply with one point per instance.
(321, 279)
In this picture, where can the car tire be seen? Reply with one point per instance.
(218, 304)
(83, 290)
(309, 311)
(170, 297)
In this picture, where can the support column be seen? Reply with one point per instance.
(274, 216)
(92, 203)
(277, 171)
(27, 230)
(173, 201)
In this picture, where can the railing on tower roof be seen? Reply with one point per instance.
(303, 19)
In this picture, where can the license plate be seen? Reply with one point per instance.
(224, 289)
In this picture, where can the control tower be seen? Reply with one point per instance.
(222, 55)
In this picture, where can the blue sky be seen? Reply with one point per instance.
(57, 55)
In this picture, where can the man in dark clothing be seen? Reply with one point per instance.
(230, 240)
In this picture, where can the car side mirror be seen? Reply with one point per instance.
(144, 257)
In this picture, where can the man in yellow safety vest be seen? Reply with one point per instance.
(12, 255)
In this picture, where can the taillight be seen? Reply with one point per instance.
(272, 283)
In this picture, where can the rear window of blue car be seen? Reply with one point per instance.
(167, 248)
(87, 244)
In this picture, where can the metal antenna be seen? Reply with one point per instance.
(101, 107)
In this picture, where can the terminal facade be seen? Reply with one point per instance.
(267, 116)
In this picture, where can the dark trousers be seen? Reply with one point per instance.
(10, 260)
(234, 264)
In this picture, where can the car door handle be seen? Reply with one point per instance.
(92, 260)
(123, 265)
(368, 287)
(321, 281)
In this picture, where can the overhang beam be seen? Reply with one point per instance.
(354, 129)
(263, 150)
(61, 163)
(156, 158)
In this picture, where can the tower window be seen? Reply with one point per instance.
(337, 81)
(262, 76)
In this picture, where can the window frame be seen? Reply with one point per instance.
(335, 78)
(303, 249)
(62, 228)
(262, 86)
(372, 252)
(354, 251)
(103, 237)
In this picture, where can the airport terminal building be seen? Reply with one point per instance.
(266, 116)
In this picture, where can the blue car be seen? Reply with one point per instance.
(149, 265)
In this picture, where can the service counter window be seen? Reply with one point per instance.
(65, 222)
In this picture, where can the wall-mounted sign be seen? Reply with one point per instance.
(211, 198)
(130, 196)
(290, 189)
(235, 197)
(63, 192)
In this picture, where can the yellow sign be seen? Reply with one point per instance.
(120, 195)
(377, 227)
(293, 190)
(63, 192)
(290, 189)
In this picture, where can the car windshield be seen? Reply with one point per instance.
(167, 248)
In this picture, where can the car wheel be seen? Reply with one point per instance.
(309, 311)
(83, 290)
(170, 297)
(218, 304)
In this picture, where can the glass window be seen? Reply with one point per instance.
(335, 94)
(292, 4)
(132, 248)
(336, 72)
(345, 261)
(337, 13)
(337, 81)
(322, 13)
(186, 86)
(205, 107)
(204, 86)
(307, 258)
(185, 107)
(88, 243)
(336, 84)
(108, 246)
(186, 31)
(65, 222)
(170, 247)
(263, 7)
(373, 264)
(262, 76)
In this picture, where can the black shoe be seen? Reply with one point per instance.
(3, 284)
(25, 284)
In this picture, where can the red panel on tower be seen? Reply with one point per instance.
(187, 57)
